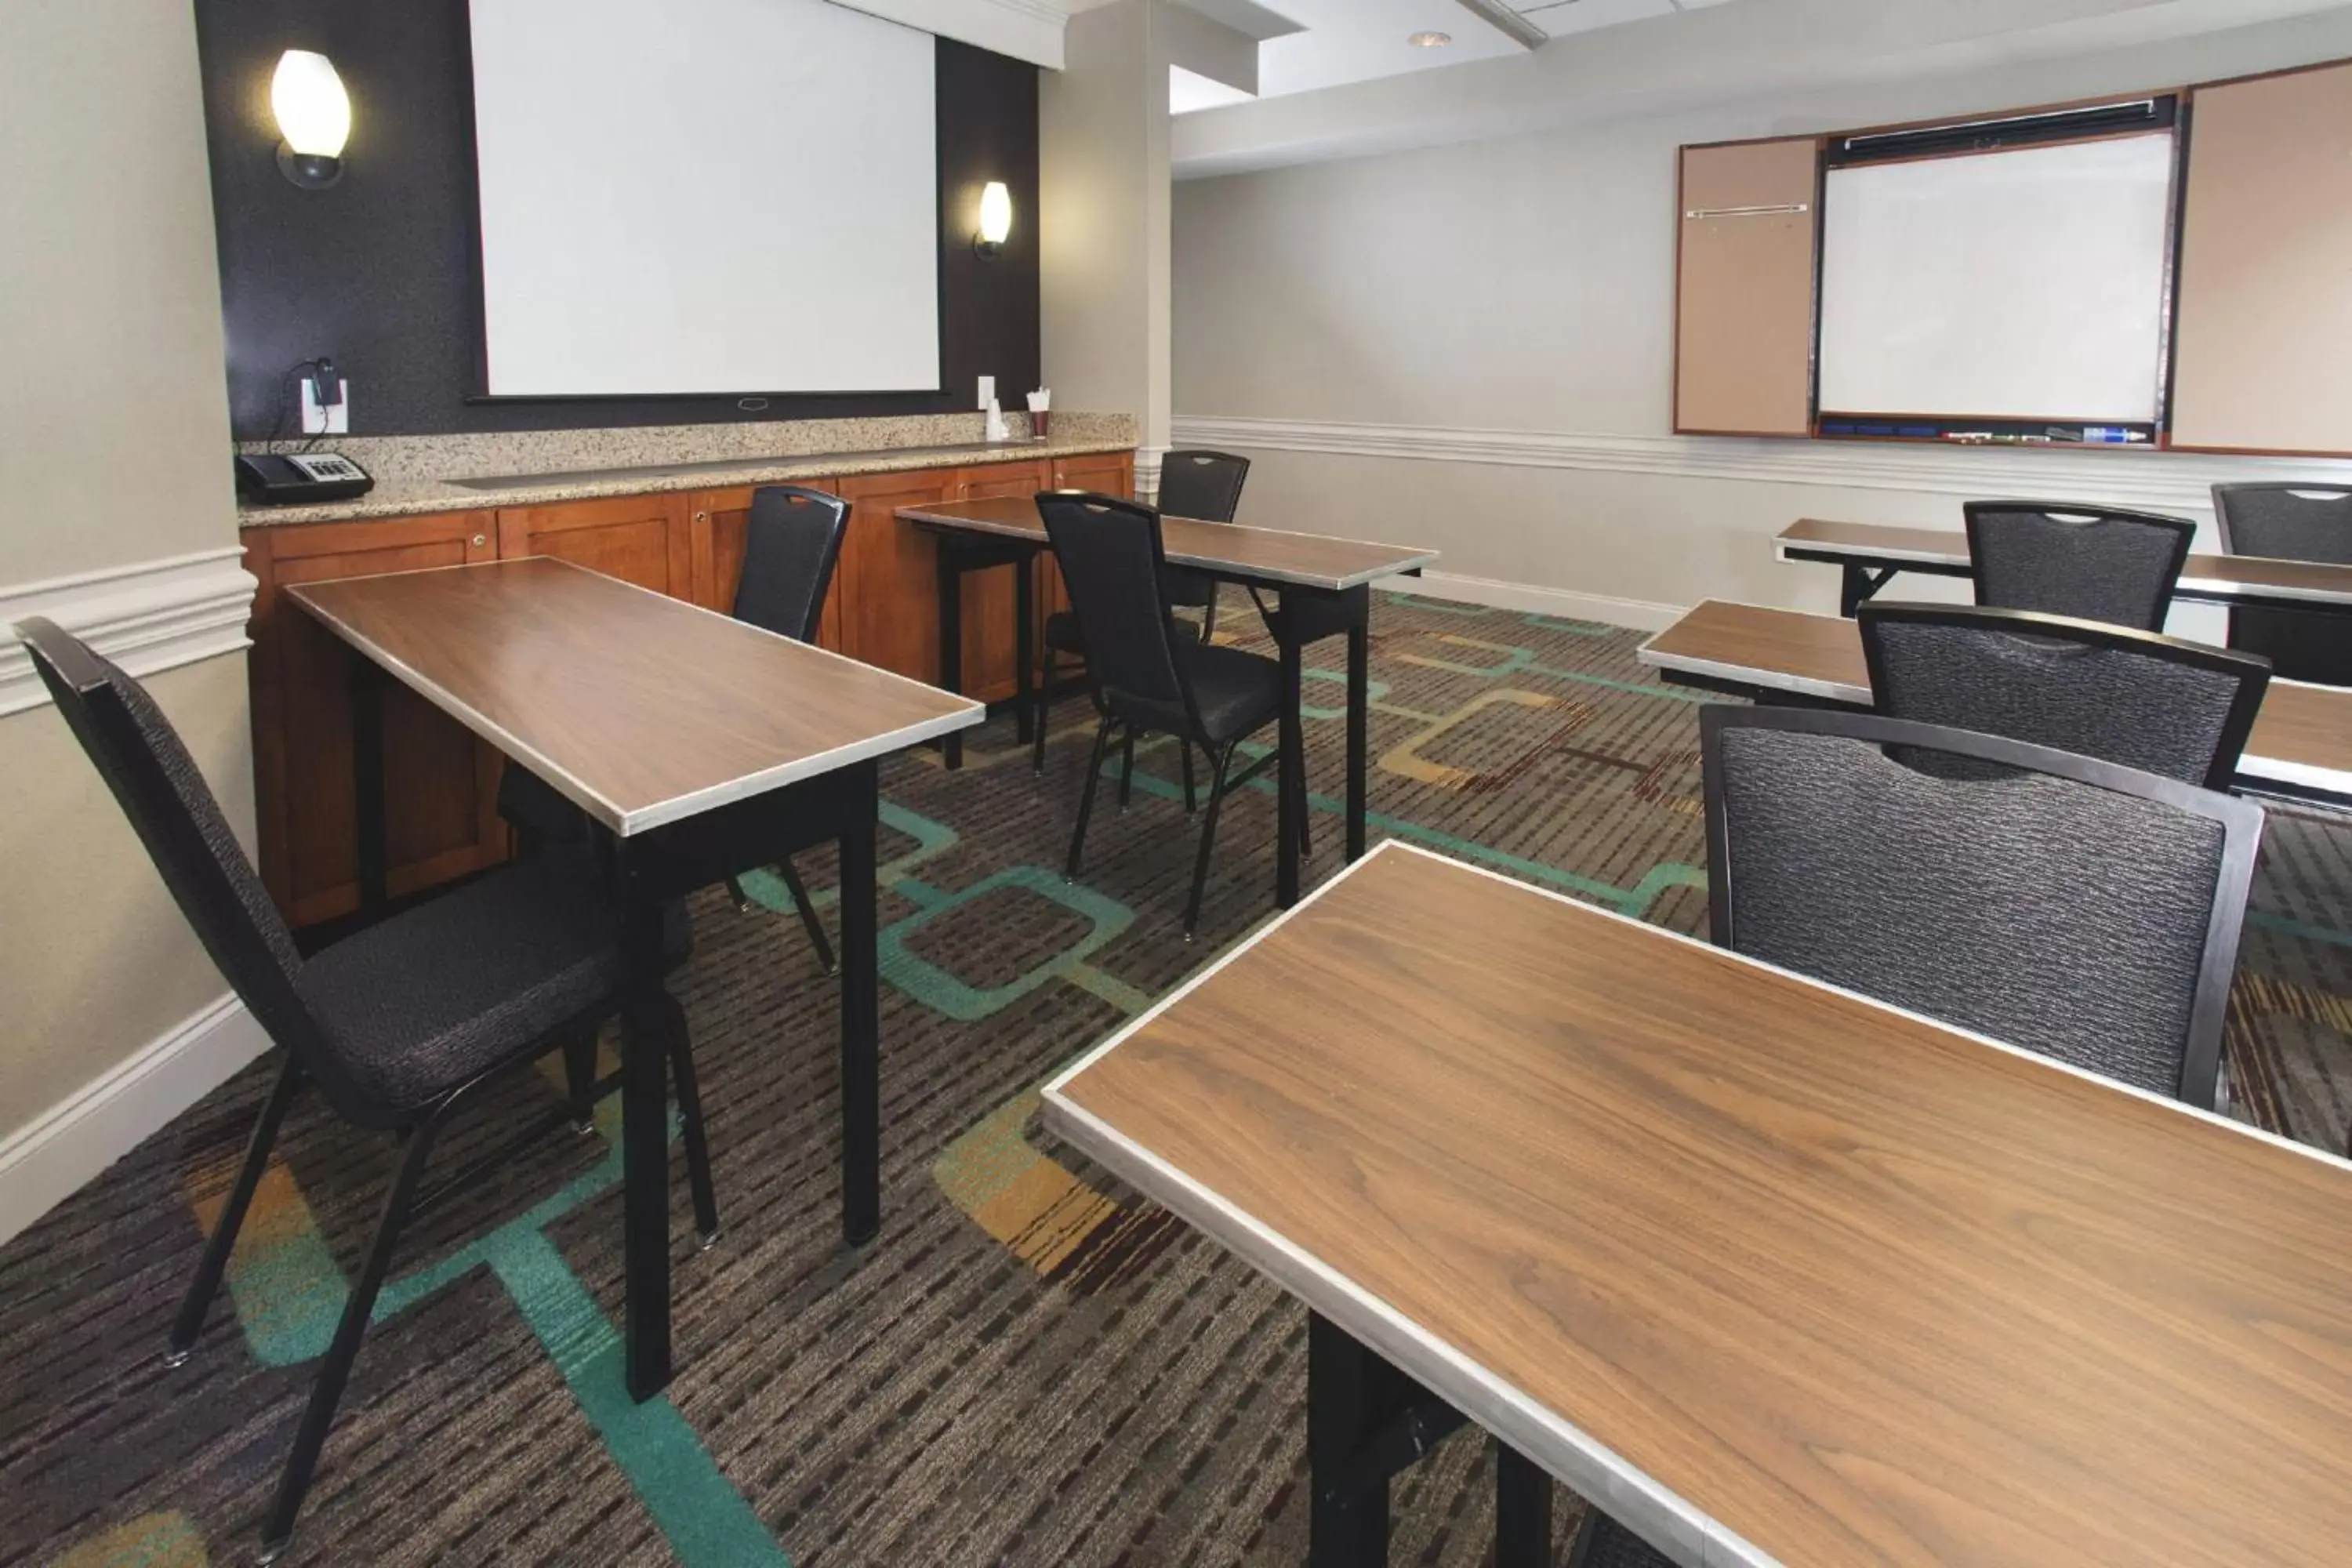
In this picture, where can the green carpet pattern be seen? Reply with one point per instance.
(1031, 1365)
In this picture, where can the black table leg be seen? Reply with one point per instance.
(1024, 654)
(951, 589)
(1857, 583)
(644, 1131)
(861, 1084)
(1291, 794)
(367, 780)
(1347, 1394)
(1522, 1511)
(1359, 678)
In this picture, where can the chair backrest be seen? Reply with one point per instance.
(180, 822)
(2097, 562)
(1201, 484)
(2139, 698)
(2285, 521)
(2290, 522)
(790, 544)
(2071, 906)
(1112, 563)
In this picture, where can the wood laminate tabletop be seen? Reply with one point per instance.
(639, 708)
(2302, 735)
(1227, 548)
(1769, 1271)
(2215, 578)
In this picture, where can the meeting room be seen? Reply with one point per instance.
(1176, 783)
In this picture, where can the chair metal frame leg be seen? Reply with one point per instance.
(809, 922)
(335, 1371)
(1044, 699)
(743, 904)
(580, 1077)
(1086, 798)
(1126, 769)
(1522, 1511)
(223, 1240)
(689, 1112)
(1184, 751)
(1219, 763)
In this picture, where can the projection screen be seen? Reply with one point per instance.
(705, 196)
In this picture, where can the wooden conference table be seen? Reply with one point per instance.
(1326, 585)
(705, 747)
(1770, 1272)
(2301, 744)
(1869, 554)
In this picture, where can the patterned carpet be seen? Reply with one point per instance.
(1030, 1366)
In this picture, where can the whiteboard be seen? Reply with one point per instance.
(2026, 284)
(705, 196)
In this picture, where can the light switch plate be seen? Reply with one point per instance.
(987, 391)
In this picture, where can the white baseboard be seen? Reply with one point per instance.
(46, 1161)
(1640, 615)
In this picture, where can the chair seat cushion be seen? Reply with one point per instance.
(441, 994)
(1236, 691)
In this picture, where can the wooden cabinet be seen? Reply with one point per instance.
(889, 574)
(645, 539)
(1743, 288)
(989, 646)
(719, 521)
(441, 784)
(2266, 225)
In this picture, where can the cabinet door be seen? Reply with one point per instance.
(645, 539)
(989, 646)
(1744, 289)
(889, 576)
(719, 521)
(441, 816)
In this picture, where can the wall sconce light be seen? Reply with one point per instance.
(314, 118)
(995, 218)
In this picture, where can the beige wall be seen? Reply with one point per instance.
(1102, 127)
(113, 450)
(1526, 285)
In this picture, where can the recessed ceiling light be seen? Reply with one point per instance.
(1430, 40)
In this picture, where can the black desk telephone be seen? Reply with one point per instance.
(272, 479)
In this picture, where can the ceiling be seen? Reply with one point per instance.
(1333, 43)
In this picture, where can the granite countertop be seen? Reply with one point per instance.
(423, 474)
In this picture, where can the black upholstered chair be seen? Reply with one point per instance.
(1148, 679)
(792, 544)
(399, 1026)
(2071, 906)
(2096, 562)
(2139, 698)
(2290, 522)
(1205, 486)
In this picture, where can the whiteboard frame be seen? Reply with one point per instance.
(2172, 124)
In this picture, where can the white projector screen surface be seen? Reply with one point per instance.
(2026, 284)
(705, 196)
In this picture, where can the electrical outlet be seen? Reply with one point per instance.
(334, 420)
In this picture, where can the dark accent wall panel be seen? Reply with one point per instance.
(379, 270)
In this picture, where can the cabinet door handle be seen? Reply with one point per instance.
(480, 540)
